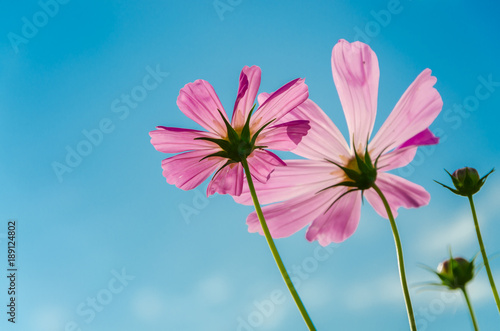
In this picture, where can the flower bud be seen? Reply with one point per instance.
(466, 181)
(455, 273)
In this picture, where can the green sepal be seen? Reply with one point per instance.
(223, 154)
(352, 174)
(483, 179)
(224, 144)
(341, 196)
(256, 134)
(225, 165)
(245, 132)
(346, 183)
(449, 188)
(232, 135)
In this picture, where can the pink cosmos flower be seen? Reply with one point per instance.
(326, 189)
(221, 148)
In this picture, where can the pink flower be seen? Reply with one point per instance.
(326, 190)
(222, 147)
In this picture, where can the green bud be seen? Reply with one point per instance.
(455, 273)
(466, 181)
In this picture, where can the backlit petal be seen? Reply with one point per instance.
(279, 103)
(399, 192)
(286, 218)
(414, 113)
(297, 178)
(199, 102)
(356, 75)
(261, 163)
(284, 136)
(247, 92)
(323, 140)
(339, 222)
(176, 140)
(229, 180)
(186, 171)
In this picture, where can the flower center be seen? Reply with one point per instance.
(362, 171)
(238, 144)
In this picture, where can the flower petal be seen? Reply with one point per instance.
(399, 192)
(414, 112)
(425, 137)
(186, 171)
(176, 140)
(323, 140)
(286, 218)
(229, 180)
(279, 103)
(356, 75)
(405, 153)
(339, 222)
(199, 102)
(247, 91)
(397, 158)
(261, 163)
(297, 178)
(284, 136)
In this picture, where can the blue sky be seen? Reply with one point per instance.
(110, 229)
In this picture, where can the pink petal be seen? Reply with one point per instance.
(356, 75)
(286, 218)
(176, 140)
(186, 171)
(405, 153)
(261, 163)
(247, 91)
(284, 136)
(323, 140)
(425, 137)
(199, 102)
(414, 112)
(229, 180)
(399, 192)
(397, 158)
(339, 222)
(279, 103)
(297, 178)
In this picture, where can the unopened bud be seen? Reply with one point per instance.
(466, 181)
(455, 273)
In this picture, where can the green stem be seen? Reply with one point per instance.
(274, 250)
(399, 250)
(483, 253)
(472, 315)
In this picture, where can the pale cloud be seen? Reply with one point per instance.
(214, 289)
(48, 318)
(383, 290)
(147, 304)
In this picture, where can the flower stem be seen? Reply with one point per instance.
(399, 250)
(483, 253)
(274, 250)
(472, 315)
